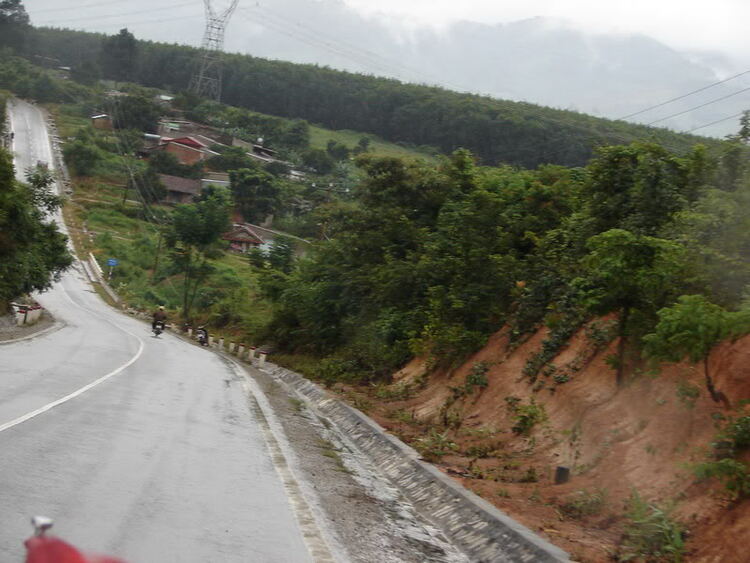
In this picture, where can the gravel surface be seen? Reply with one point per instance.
(10, 331)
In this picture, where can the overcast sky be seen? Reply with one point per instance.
(717, 25)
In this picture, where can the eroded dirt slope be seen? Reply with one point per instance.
(642, 436)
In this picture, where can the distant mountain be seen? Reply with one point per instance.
(538, 60)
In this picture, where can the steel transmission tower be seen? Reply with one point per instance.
(207, 82)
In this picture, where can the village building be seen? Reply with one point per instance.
(187, 150)
(215, 179)
(243, 237)
(180, 190)
(102, 121)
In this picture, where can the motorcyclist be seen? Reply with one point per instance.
(160, 317)
(202, 335)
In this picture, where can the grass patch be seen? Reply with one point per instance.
(319, 138)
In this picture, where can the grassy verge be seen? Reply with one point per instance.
(320, 136)
(104, 219)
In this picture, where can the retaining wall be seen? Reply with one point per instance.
(479, 529)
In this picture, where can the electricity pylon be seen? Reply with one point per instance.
(207, 81)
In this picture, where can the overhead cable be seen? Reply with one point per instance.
(125, 14)
(700, 106)
(684, 95)
(735, 116)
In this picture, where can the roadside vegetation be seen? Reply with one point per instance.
(640, 249)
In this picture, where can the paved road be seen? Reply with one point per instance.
(160, 459)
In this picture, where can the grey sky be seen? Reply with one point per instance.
(719, 25)
(612, 69)
(692, 25)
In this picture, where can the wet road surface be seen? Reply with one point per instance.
(140, 447)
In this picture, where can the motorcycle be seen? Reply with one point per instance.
(41, 548)
(158, 328)
(202, 336)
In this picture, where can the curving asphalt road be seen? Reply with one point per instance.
(139, 447)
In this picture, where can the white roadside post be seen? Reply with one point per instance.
(262, 359)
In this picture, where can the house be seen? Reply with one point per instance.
(180, 190)
(245, 236)
(102, 121)
(177, 128)
(188, 150)
(215, 179)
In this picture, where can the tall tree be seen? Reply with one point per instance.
(690, 329)
(135, 112)
(33, 252)
(119, 57)
(632, 275)
(14, 24)
(195, 238)
(257, 193)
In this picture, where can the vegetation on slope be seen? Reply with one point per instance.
(497, 131)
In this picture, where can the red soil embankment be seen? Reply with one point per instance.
(642, 436)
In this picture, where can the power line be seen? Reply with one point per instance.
(276, 22)
(684, 95)
(67, 8)
(700, 106)
(109, 16)
(141, 22)
(717, 121)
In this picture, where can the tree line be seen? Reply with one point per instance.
(497, 131)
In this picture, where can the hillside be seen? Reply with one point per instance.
(648, 436)
(497, 131)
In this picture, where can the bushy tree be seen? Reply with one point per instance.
(119, 57)
(82, 156)
(690, 329)
(256, 193)
(195, 238)
(33, 252)
(135, 112)
(14, 24)
(632, 275)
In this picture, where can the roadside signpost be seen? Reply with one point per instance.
(112, 262)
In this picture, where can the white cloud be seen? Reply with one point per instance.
(685, 24)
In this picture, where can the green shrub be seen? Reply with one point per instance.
(651, 534)
(738, 431)
(732, 473)
(477, 376)
(333, 370)
(584, 503)
(687, 394)
(435, 445)
(526, 416)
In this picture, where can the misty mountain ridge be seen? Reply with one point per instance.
(539, 60)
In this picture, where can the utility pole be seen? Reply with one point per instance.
(207, 81)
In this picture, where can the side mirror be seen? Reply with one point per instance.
(41, 524)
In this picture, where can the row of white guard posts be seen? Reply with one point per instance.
(248, 353)
(26, 314)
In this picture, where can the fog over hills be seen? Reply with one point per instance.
(537, 60)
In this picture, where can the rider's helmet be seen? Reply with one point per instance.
(161, 307)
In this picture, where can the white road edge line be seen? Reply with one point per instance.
(322, 546)
(41, 410)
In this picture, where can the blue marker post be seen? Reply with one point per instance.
(111, 262)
